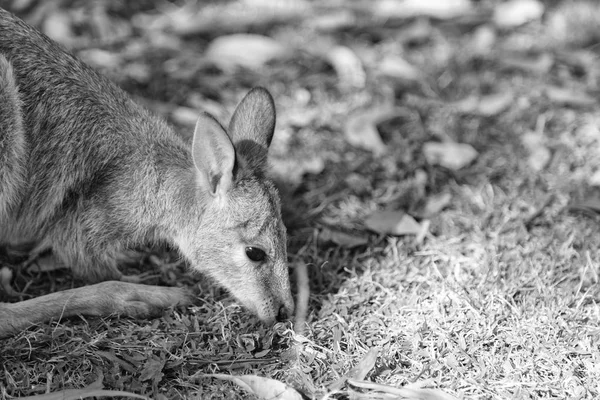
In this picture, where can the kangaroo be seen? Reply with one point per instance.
(89, 173)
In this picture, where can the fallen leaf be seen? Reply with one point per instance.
(185, 116)
(244, 50)
(152, 369)
(396, 67)
(594, 180)
(93, 390)
(446, 9)
(194, 18)
(538, 65)
(292, 171)
(359, 371)
(450, 155)
(539, 154)
(514, 13)
(483, 40)
(361, 128)
(342, 239)
(435, 204)
(347, 66)
(333, 20)
(263, 388)
(392, 222)
(405, 392)
(365, 365)
(57, 26)
(487, 106)
(569, 97)
(590, 206)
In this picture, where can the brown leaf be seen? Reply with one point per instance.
(361, 128)
(152, 369)
(396, 67)
(450, 155)
(347, 66)
(404, 392)
(57, 26)
(487, 106)
(365, 365)
(513, 13)
(244, 50)
(537, 65)
(446, 9)
(263, 388)
(93, 390)
(589, 206)
(539, 154)
(569, 97)
(483, 40)
(392, 222)
(342, 239)
(436, 203)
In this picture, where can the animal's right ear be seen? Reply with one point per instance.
(213, 155)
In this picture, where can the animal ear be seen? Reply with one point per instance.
(252, 126)
(213, 155)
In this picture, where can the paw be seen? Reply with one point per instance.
(137, 300)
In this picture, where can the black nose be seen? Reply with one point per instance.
(282, 314)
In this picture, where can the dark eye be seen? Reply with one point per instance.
(255, 254)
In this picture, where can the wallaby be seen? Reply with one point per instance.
(87, 172)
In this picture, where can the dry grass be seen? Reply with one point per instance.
(498, 301)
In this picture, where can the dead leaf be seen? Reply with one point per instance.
(514, 13)
(396, 67)
(360, 371)
(342, 239)
(194, 18)
(57, 26)
(435, 204)
(569, 97)
(347, 66)
(483, 40)
(292, 171)
(244, 50)
(332, 21)
(93, 390)
(392, 222)
(539, 154)
(361, 128)
(365, 365)
(594, 180)
(538, 65)
(450, 155)
(185, 116)
(405, 392)
(487, 106)
(590, 206)
(152, 369)
(446, 9)
(263, 388)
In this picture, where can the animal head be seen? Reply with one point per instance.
(238, 237)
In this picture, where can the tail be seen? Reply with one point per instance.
(12, 141)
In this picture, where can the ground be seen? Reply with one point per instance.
(479, 124)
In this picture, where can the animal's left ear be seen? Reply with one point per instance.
(252, 127)
(213, 155)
